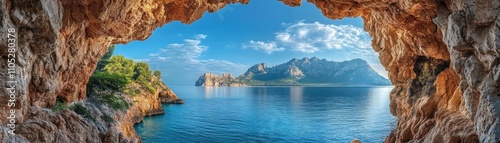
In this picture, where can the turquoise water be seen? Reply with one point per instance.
(272, 114)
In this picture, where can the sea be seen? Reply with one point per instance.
(272, 114)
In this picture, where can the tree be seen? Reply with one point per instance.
(142, 73)
(157, 74)
(120, 65)
(105, 59)
(106, 80)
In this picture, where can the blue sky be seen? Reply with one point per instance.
(239, 36)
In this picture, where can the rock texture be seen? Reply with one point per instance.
(447, 49)
(442, 58)
(305, 71)
(168, 96)
(59, 43)
(314, 71)
(46, 125)
(210, 79)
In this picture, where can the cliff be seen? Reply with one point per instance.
(315, 71)
(305, 71)
(209, 79)
(442, 58)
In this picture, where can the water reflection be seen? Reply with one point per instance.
(273, 114)
(296, 93)
(217, 92)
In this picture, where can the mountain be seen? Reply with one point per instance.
(305, 71)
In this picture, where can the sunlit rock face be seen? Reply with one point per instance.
(442, 57)
(58, 45)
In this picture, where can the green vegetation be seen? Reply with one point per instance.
(157, 74)
(117, 103)
(131, 91)
(82, 111)
(289, 81)
(105, 80)
(117, 74)
(105, 59)
(150, 89)
(107, 118)
(60, 105)
(158, 82)
(142, 73)
(120, 65)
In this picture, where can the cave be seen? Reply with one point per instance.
(442, 57)
(426, 70)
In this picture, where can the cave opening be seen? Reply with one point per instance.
(280, 41)
(416, 42)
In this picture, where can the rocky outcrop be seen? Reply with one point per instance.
(305, 72)
(256, 69)
(59, 42)
(313, 71)
(210, 79)
(151, 104)
(168, 96)
(100, 122)
(446, 49)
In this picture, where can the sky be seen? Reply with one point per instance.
(238, 36)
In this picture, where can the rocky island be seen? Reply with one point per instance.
(210, 79)
(305, 71)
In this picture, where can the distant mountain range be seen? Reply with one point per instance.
(305, 71)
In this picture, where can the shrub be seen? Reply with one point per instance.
(82, 111)
(150, 89)
(131, 91)
(117, 103)
(106, 80)
(107, 118)
(142, 73)
(120, 65)
(157, 74)
(105, 59)
(59, 106)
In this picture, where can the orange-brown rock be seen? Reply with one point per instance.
(355, 141)
(210, 79)
(60, 42)
(442, 57)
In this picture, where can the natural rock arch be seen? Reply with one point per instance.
(442, 55)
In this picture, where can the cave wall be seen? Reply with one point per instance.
(442, 55)
(443, 59)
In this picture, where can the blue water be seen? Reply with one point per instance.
(272, 114)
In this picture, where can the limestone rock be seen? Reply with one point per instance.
(355, 141)
(313, 71)
(59, 43)
(256, 69)
(210, 79)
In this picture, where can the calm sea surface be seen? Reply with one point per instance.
(272, 114)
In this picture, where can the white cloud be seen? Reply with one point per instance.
(182, 63)
(189, 51)
(313, 37)
(268, 48)
(343, 41)
(200, 36)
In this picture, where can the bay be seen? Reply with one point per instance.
(272, 114)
